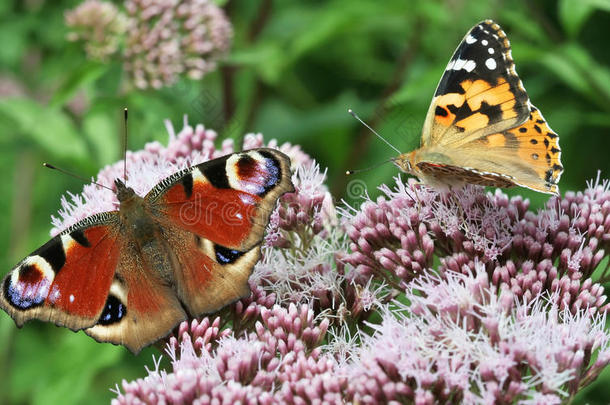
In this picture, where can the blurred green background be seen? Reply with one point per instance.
(294, 69)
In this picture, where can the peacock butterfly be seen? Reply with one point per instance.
(185, 249)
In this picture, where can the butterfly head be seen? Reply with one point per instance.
(406, 162)
(123, 193)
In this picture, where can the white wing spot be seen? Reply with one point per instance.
(54, 295)
(470, 39)
(71, 298)
(118, 291)
(490, 63)
(484, 42)
(460, 64)
(491, 51)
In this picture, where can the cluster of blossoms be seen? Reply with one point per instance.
(160, 39)
(502, 306)
(99, 25)
(554, 250)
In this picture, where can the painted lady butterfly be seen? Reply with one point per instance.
(481, 127)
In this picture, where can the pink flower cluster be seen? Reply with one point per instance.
(99, 25)
(279, 362)
(161, 39)
(503, 306)
(459, 341)
(554, 250)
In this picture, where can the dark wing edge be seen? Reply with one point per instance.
(65, 281)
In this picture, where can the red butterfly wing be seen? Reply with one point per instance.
(91, 277)
(216, 214)
(210, 276)
(67, 279)
(141, 306)
(226, 200)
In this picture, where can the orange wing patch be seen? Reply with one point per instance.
(539, 145)
(485, 105)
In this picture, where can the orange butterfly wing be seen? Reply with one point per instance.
(481, 127)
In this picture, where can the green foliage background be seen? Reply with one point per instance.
(295, 68)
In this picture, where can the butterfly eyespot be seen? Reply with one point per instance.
(535, 156)
(246, 167)
(254, 172)
(29, 285)
(113, 312)
(226, 256)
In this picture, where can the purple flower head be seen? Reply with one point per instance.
(99, 25)
(278, 363)
(304, 214)
(461, 340)
(400, 232)
(170, 38)
(296, 277)
(161, 39)
(555, 250)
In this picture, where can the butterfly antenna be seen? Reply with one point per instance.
(373, 131)
(350, 172)
(125, 146)
(50, 166)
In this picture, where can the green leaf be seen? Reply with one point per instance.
(576, 67)
(101, 132)
(573, 15)
(13, 35)
(49, 128)
(87, 73)
(66, 379)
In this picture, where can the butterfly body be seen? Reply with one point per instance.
(481, 127)
(185, 249)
